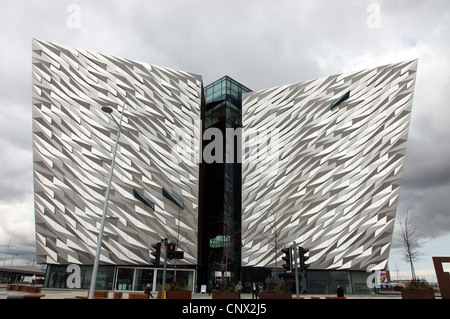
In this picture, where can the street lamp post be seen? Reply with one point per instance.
(108, 110)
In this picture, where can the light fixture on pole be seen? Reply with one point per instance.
(108, 110)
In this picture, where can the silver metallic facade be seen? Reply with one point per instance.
(73, 141)
(322, 161)
(323, 172)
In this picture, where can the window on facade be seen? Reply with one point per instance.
(340, 100)
(173, 198)
(143, 199)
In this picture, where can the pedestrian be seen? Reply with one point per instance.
(148, 290)
(238, 288)
(33, 280)
(255, 291)
(340, 291)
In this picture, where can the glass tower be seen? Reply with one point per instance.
(221, 199)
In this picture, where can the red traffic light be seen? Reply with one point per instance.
(171, 247)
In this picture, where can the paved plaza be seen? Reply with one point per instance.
(73, 293)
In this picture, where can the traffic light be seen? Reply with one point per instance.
(171, 247)
(156, 253)
(287, 258)
(302, 251)
(172, 252)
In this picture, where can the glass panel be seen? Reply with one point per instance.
(359, 283)
(208, 122)
(235, 109)
(173, 198)
(216, 120)
(184, 277)
(218, 87)
(216, 94)
(125, 279)
(340, 278)
(143, 277)
(318, 282)
(261, 276)
(219, 241)
(138, 195)
(245, 90)
(105, 277)
(159, 278)
(57, 276)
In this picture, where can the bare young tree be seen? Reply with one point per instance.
(410, 241)
(276, 232)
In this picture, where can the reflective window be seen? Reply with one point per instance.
(318, 282)
(143, 199)
(340, 100)
(359, 283)
(184, 278)
(226, 86)
(173, 198)
(57, 276)
(340, 278)
(124, 279)
(142, 277)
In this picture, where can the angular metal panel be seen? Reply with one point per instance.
(73, 141)
(328, 179)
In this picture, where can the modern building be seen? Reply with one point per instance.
(72, 144)
(318, 162)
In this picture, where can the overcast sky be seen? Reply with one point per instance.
(258, 43)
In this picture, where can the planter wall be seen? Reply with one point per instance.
(274, 295)
(418, 294)
(117, 295)
(178, 294)
(18, 288)
(33, 289)
(135, 295)
(225, 295)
